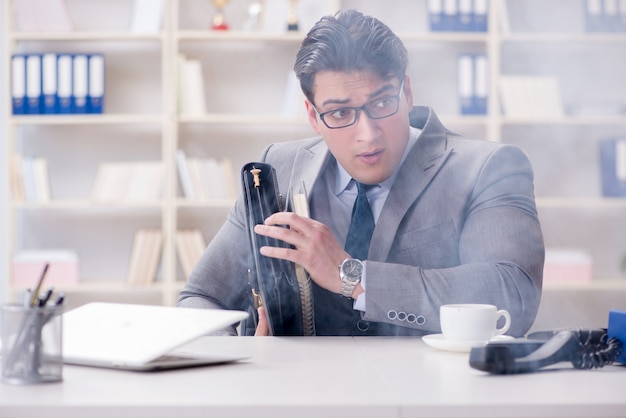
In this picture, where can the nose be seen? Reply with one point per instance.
(365, 128)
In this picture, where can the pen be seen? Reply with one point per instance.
(35, 294)
(27, 297)
(60, 300)
(43, 299)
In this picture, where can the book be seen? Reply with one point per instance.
(480, 15)
(42, 181)
(184, 175)
(33, 84)
(29, 179)
(145, 256)
(80, 83)
(95, 89)
(206, 178)
(191, 100)
(17, 177)
(42, 16)
(465, 83)
(465, 16)
(435, 14)
(481, 84)
(64, 83)
(293, 99)
(146, 16)
(613, 166)
(531, 96)
(140, 181)
(49, 80)
(190, 245)
(18, 84)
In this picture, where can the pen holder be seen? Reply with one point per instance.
(32, 344)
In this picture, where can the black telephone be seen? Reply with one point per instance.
(583, 348)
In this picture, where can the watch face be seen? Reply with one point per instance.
(352, 269)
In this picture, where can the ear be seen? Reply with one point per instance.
(408, 91)
(312, 115)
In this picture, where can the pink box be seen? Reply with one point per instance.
(28, 266)
(567, 266)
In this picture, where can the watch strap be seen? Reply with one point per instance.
(347, 287)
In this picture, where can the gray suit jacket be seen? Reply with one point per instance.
(459, 225)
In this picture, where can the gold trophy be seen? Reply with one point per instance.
(292, 17)
(218, 22)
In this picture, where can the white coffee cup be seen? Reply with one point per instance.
(472, 321)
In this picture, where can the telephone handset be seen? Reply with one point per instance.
(584, 348)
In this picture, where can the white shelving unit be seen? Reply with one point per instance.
(245, 76)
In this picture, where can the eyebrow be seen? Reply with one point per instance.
(371, 96)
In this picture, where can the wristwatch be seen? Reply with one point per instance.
(350, 273)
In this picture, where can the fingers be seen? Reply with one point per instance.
(262, 328)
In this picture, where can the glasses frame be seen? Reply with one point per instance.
(357, 110)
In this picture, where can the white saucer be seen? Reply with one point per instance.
(439, 342)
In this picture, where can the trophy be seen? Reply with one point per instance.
(292, 17)
(218, 22)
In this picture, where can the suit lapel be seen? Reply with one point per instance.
(428, 155)
(313, 160)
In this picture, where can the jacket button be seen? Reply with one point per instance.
(363, 325)
(392, 315)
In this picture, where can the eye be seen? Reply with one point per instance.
(383, 103)
(341, 114)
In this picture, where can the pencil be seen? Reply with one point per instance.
(35, 295)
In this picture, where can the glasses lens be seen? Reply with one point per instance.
(339, 118)
(382, 108)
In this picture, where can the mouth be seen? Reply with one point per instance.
(371, 157)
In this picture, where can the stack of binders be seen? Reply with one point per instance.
(605, 15)
(51, 83)
(472, 84)
(458, 15)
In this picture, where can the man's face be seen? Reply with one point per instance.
(370, 150)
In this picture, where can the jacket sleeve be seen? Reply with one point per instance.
(492, 246)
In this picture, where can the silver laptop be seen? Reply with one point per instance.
(141, 337)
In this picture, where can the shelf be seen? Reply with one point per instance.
(83, 36)
(213, 203)
(233, 118)
(238, 36)
(544, 202)
(577, 38)
(445, 37)
(594, 285)
(87, 204)
(86, 119)
(565, 120)
(142, 76)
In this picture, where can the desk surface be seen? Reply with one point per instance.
(323, 377)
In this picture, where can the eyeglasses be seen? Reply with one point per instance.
(376, 109)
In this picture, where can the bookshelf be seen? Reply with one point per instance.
(244, 75)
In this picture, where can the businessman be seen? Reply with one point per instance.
(441, 218)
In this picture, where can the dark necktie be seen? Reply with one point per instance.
(361, 225)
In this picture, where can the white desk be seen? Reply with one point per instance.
(323, 377)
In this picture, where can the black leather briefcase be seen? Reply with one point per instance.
(283, 288)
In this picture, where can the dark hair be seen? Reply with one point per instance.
(349, 41)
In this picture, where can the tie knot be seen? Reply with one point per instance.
(364, 188)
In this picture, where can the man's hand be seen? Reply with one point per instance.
(316, 249)
(262, 328)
